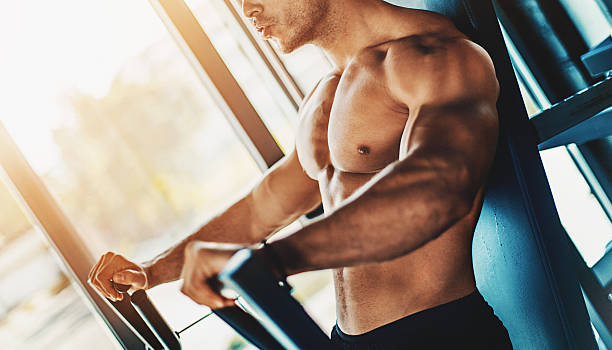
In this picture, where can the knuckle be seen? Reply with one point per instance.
(190, 246)
(186, 285)
(184, 290)
(189, 249)
(100, 285)
(193, 247)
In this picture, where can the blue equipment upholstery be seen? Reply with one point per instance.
(523, 259)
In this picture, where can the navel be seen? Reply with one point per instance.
(364, 150)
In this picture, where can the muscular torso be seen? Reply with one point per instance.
(350, 129)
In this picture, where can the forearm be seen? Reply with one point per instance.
(390, 217)
(235, 225)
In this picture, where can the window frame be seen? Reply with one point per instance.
(212, 71)
(45, 214)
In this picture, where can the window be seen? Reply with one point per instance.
(307, 65)
(124, 135)
(44, 312)
(129, 141)
(590, 19)
(248, 68)
(581, 214)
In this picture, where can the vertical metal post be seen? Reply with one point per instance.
(549, 42)
(606, 8)
(551, 46)
(270, 57)
(44, 213)
(209, 65)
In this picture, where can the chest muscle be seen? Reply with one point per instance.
(349, 125)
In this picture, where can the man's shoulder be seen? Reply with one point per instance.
(434, 44)
(435, 66)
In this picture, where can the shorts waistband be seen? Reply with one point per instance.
(469, 306)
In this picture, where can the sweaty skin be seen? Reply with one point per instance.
(396, 143)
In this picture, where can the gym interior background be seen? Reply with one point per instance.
(131, 122)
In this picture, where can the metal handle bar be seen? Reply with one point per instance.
(248, 274)
(138, 310)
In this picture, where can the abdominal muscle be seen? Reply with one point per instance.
(369, 296)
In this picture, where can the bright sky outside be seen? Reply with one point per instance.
(52, 48)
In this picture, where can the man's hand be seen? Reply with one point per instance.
(203, 262)
(115, 268)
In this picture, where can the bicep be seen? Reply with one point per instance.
(285, 193)
(452, 126)
(455, 141)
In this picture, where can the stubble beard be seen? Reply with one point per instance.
(304, 28)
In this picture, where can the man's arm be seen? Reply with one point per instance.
(447, 149)
(283, 195)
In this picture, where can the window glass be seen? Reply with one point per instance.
(248, 69)
(307, 65)
(44, 312)
(581, 214)
(132, 146)
(589, 19)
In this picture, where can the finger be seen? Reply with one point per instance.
(105, 287)
(202, 293)
(104, 279)
(204, 297)
(217, 288)
(229, 302)
(92, 272)
(93, 269)
(95, 276)
(107, 278)
(134, 278)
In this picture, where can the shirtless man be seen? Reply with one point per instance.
(396, 143)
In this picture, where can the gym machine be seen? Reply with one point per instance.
(525, 264)
(283, 324)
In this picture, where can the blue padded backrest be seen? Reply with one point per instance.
(522, 255)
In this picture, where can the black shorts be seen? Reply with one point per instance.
(465, 323)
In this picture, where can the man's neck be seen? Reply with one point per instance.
(354, 25)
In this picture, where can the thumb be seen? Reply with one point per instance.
(134, 278)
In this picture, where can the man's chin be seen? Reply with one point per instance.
(283, 47)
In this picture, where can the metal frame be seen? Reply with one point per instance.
(606, 8)
(580, 118)
(45, 214)
(542, 102)
(594, 293)
(587, 170)
(269, 296)
(276, 66)
(603, 183)
(210, 68)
